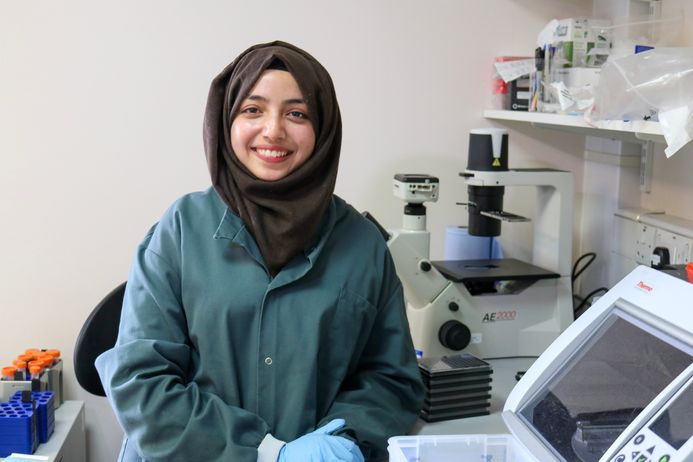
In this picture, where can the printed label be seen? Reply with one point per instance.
(499, 316)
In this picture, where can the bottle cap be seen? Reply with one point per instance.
(689, 270)
(54, 353)
(19, 364)
(9, 371)
(25, 358)
(35, 369)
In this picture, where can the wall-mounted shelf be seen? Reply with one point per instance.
(633, 131)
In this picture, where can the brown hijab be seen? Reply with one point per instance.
(283, 216)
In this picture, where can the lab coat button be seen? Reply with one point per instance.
(268, 361)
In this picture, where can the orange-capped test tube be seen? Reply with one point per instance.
(36, 362)
(48, 360)
(35, 371)
(8, 372)
(54, 353)
(22, 371)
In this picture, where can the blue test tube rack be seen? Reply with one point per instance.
(18, 429)
(45, 409)
(23, 425)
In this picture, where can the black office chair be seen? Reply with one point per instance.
(98, 334)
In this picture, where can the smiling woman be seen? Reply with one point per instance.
(272, 135)
(263, 320)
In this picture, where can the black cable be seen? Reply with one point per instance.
(575, 274)
(587, 298)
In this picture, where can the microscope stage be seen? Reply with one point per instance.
(506, 269)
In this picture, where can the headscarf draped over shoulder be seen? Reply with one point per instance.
(284, 215)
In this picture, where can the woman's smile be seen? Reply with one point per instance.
(272, 153)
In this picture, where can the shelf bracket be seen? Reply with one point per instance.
(648, 137)
(646, 156)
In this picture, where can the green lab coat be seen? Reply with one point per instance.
(213, 354)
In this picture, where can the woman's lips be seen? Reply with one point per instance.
(272, 154)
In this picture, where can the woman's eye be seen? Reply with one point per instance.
(298, 114)
(250, 110)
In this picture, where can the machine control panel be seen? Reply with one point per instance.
(667, 436)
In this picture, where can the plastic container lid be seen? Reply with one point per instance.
(35, 369)
(47, 358)
(54, 353)
(36, 362)
(9, 371)
(689, 270)
(454, 448)
(25, 357)
(19, 364)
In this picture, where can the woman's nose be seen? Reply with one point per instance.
(274, 128)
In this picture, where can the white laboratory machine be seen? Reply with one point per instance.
(617, 382)
(489, 308)
(615, 386)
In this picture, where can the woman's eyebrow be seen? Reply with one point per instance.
(286, 101)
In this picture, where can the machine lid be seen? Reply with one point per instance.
(597, 382)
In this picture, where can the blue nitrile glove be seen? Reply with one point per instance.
(321, 446)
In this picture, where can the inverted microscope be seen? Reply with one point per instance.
(491, 308)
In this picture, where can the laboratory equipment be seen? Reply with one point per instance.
(648, 237)
(615, 386)
(456, 448)
(609, 379)
(455, 386)
(489, 308)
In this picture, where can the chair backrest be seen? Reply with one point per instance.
(98, 334)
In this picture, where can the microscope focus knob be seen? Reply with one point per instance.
(425, 266)
(454, 335)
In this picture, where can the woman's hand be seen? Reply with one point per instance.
(321, 446)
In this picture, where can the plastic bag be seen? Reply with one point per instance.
(652, 31)
(655, 84)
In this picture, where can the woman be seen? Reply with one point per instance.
(265, 307)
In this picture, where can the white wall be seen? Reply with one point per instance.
(608, 188)
(101, 109)
(672, 178)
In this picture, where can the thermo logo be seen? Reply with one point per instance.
(642, 286)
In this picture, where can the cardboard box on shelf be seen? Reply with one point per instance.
(578, 43)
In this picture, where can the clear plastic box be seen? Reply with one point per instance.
(457, 448)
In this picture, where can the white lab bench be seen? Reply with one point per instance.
(68, 442)
(502, 382)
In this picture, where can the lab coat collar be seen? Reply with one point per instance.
(231, 227)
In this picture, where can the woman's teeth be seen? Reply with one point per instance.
(272, 153)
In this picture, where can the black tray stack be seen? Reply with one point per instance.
(456, 386)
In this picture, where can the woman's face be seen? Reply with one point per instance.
(271, 134)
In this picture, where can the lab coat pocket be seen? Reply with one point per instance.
(347, 336)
